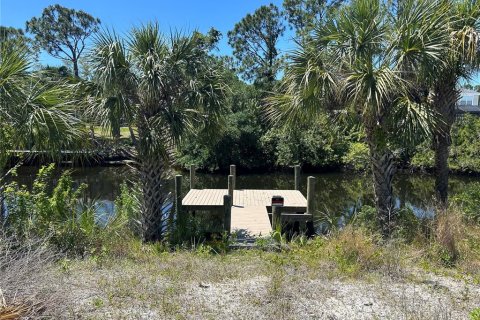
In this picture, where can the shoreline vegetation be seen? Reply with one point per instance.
(348, 273)
(372, 87)
(60, 265)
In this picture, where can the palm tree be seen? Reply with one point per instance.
(36, 113)
(367, 60)
(166, 86)
(462, 60)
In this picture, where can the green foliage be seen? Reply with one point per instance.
(60, 213)
(407, 223)
(36, 113)
(475, 314)
(11, 38)
(469, 201)
(313, 147)
(464, 154)
(304, 15)
(357, 156)
(254, 41)
(62, 32)
(424, 157)
(366, 217)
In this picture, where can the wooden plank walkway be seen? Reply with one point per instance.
(250, 207)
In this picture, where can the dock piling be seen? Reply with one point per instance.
(233, 172)
(230, 186)
(276, 218)
(310, 194)
(297, 177)
(227, 209)
(178, 201)
(192, 176)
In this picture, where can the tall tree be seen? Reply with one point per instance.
(365, 60)
(462, 60)
(254, 40)
(169, 86)
(304, 15)
(62, 32)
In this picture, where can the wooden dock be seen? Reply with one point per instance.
(250, 209)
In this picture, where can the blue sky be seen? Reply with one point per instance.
(122, 15)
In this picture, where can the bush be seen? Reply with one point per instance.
(312, 146)
(60, 213)
(469, 201)
(464, 155)
(357, 156)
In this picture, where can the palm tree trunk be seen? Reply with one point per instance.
(2, 206)
(444, 101)
(132, 135)
(381, 160)
(155, 198)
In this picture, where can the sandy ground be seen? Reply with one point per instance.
(129, 292)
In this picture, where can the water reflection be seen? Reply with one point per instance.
(338, 195)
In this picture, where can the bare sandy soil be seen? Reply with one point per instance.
(243, 291)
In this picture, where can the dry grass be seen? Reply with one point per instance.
(25, 268)
(350, 274)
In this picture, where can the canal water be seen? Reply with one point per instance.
(338, 194)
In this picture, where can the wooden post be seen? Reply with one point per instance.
(297, 177)
(230, 186)
(276, 218)
(178, 203)
(233, 172)
(310, 204)
(310, 194)
(192, 176)
(227, 209)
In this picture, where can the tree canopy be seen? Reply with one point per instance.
(62, 32)
(254, 40)
(304, 15)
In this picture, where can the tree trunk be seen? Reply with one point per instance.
(442, 150)
(132, 135)
(2, 207)
(155, 198)
(381, 160)
(444, 102)
(75, 68)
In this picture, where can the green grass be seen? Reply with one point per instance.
(101, 132)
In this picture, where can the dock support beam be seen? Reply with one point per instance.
(192, 176)
(310, 204)
(230, 186)
(233, 172)
(178, 204)
(276, 218)
(310, 194)
(227, 209)
(297, 177)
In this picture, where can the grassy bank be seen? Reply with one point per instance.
(348, 274)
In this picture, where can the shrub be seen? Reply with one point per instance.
(464, 155)
(354, 250)
(469, 201)
(357, 156)
(59, 212)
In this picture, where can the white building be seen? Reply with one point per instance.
(468, 101)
